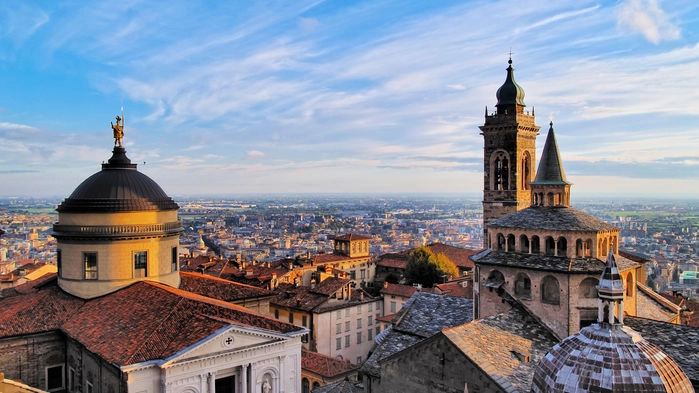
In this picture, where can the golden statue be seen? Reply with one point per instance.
(118, 129)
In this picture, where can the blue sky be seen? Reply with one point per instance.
(379, 96)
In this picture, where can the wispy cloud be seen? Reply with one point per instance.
(647, 18)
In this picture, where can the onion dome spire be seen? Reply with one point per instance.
(510, 93)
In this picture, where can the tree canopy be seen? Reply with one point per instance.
(426, 268)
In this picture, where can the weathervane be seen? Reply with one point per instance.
(118, 129)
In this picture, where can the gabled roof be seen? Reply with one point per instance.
(144, 321)
(552, 218)
(218, 288)
(423, 316)
(330, 285)
(398, 290)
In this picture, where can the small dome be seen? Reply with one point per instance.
(510, 93)
(608, 359)
(118, 187)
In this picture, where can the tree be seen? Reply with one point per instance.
(426, 268)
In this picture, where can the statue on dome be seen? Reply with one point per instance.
(118, 129)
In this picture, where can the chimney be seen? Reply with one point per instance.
(385, 284)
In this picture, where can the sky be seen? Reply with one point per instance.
(376, 96)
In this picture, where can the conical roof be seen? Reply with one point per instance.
(510, 93)
(550, 166)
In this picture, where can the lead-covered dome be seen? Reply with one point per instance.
(510, 93)
(118, 187)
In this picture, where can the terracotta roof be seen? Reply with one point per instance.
(393, 261)
(460, 256)
(461, 288)
(144, 321)
(218, 288)
(352, 236)
(552, 219)
(328, 258)
(325, 366)
(398, 290)
(330, 285)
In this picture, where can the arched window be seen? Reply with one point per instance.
(605, 248)
(495, 279)
(523, 244)
(562, 247)
(579, 248)
(526, 172)
(629, 285)
(501, 242)
(588, 248)
(550, 290)
(500, 171)
(305, 386)
(550, 245)
(523, 286)
(510, 242)
(536, 246)
(588, 288)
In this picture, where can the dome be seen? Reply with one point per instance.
(608, 359)
(510, 93)
(118, 187)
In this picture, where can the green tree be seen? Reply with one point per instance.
(426, 268)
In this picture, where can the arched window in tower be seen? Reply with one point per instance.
(550, 290)
(523, 286)
(588, 248)
(510, 242)
(501, 242)
(536, 245)
(500, 172)
(526, 172)
(550, 245)
(579, 248)
(523, 244)
(549, 199)
(562, 247)
(629, 285)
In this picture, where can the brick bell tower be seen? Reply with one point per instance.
(509, 153)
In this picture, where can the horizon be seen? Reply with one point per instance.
(366, 97)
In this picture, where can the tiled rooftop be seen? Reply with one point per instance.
(424, 315)
(398, 290)
(144, 321)
(521, 342)
(345, 386)
(552, 219)
(460, 256)
(325, 366)
(218, 288)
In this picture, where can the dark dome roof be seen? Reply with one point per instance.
(604, 359)
(118, 187)
(510, 93)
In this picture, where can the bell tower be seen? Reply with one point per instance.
(509, 153)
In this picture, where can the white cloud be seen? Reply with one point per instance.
(254, 155)
(646, 17)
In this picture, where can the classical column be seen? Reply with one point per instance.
(244, 379)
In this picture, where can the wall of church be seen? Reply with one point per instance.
(434, 365)
(88, 373)
(26, 358)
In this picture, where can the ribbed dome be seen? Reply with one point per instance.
(118, 187)
(510, 93)
(603, 358)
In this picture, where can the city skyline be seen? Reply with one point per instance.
(376, 96)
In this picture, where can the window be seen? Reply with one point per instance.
(338, 343)
(378, 330)
(377, 317)
(338, 314)
(370, 320)
(359, 309)
(59, 261)
(523, 286)
(347, 326)
(393, 307)
(347, 312)
(353, 275)
(378, 306)
(90, 264)
(362, 274)
(276, 313)
(359, 323)
(550, 291)
(369, 334)
(304, 320)
(54, 378)
(338, 328)
(370, 305)
(291, 317)
(140, 264)
(71, 379)
(174, 259)
(359, 337)
(347, 341)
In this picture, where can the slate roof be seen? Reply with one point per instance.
(550, 165)
(312, 300)
(325, 366)
(506, 346)
(144, 321)
(548, 263)
(680, 342)
(422, 316)
(345, 386)
(552, 218)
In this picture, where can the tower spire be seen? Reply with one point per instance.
(550, 188)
